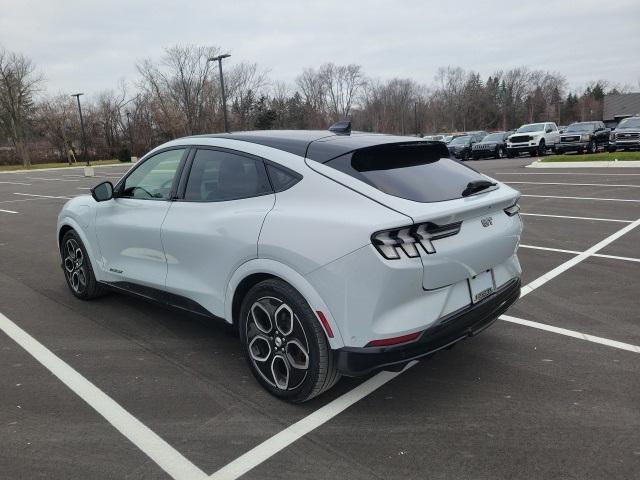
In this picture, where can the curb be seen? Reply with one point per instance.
(594, 164)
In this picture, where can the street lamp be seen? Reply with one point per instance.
(224, 99)
(84, 138)
(130, 136)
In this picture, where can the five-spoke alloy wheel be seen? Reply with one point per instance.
(285, 345)
(77, 268)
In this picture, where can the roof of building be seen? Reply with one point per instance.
(621, 105)
(318, 145)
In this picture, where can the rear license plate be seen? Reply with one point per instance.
(481, 286)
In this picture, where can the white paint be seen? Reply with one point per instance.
(41, 196)
(7, 211)
(286, 437)
(15, 183)
(538, 282)
(169, 459)
(577, 184)
(576, 218)
(588, 164)
(572, 333)
(52, 179)
(583, 198)
(573, 252)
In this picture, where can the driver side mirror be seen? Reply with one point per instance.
(102, 192)
(561, 131)
(549, 130)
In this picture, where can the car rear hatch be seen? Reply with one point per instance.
(463, 232)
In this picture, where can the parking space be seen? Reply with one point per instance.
(515, 402)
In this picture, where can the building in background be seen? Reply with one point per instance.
(618, 106)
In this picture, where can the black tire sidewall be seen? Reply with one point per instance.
(92, 289)
(318, 344)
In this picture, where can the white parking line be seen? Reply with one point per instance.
(568, 173)
(583, 198)
(7, 211)
(41, 196)
(168, 458)
(286, 437)
(576, 218)
(572, 333)
(15, 183)
(577, 184)
(538, 282)
(574, 252)
(53, 179)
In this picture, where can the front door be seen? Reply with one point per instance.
(128, 226)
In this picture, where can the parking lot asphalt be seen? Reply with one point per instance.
(515, 402)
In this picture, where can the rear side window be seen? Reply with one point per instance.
(417, 172)
(218, 175)
(282, 179)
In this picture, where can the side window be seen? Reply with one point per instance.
(281, 179)
(217, 176)
(153, 179)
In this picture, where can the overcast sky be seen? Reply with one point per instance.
(89, 45)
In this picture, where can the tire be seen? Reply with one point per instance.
(612, 149)
(510, 154)
(500, 153)
(465, 156)
(284, 344)
(77, 268)
(542, 148)
(592, 147)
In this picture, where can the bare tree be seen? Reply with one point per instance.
(19, 81)
(341, 85)
(56, 120)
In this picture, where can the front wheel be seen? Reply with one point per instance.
(542, 148)
(592, 147)
(77, 268)
(500, 152)
(284, 343)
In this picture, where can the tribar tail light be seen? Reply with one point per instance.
(407, 240)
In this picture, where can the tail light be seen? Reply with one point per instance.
(410, 240)
(388, 342)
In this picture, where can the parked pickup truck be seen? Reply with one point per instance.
(583, 137)
(626, 135)
(534, 139)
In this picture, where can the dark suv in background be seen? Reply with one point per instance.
(493, 145)
(583, 137)
(460, 146)
(626, 135)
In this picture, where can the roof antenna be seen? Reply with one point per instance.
(341, 128)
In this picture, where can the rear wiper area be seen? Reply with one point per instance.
(477, 186)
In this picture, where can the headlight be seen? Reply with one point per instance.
(585, 137)
(612, 136)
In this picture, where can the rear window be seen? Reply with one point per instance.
(417, 172)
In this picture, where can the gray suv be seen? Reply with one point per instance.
(626, 135)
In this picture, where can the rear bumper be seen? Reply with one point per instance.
(452, 328)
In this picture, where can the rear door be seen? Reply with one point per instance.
(213, 227)
(418, 182)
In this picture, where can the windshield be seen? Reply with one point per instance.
(581, 127)
(493, 137)
(447, 138)
(633, 122)
(532, 127)
(460, 140)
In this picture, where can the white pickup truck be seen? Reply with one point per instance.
(534, 139)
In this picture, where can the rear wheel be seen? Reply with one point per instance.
(77, 268)
(285, 346)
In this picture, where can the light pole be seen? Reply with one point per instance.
(224, 98)
(130, 135)
(84, 138)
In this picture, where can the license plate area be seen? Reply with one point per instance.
(481, 286)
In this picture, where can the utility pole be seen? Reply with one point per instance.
(224, 98)
(84, 137)
(130, 135)
(415, 117)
